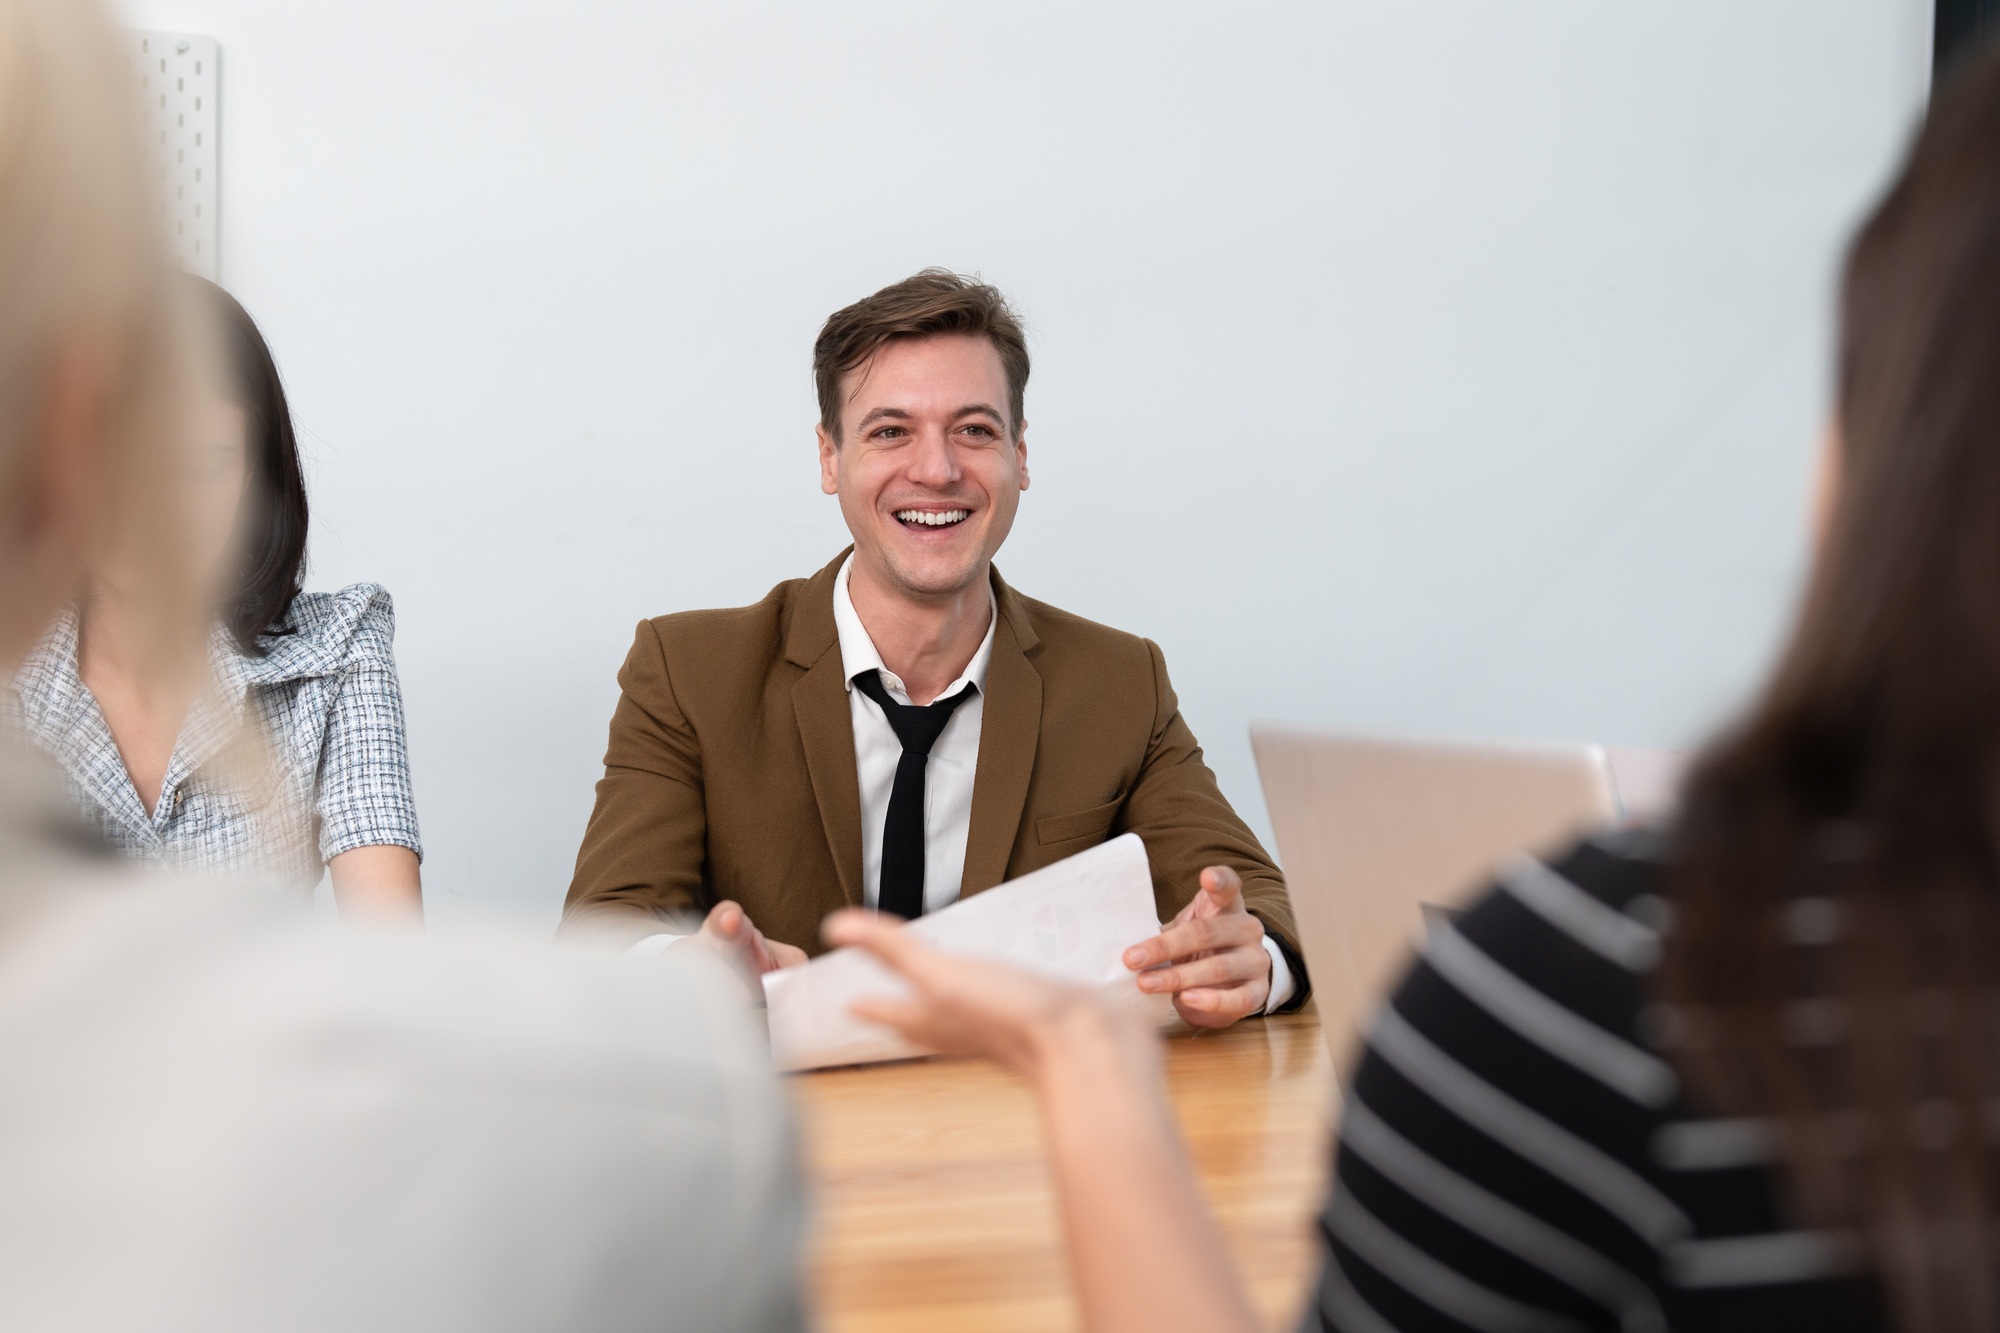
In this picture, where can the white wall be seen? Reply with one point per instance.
(1449, 367)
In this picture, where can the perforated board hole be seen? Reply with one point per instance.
(184, 110)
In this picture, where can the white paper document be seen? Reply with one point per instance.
(1074, 920)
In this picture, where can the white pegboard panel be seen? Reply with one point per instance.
(179, 80)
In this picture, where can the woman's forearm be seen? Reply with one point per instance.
(378, 884)
(1146, 1256)
(1146, 1253)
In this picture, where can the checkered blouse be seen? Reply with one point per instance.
(333, 775)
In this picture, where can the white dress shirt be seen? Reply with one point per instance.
(948, 779)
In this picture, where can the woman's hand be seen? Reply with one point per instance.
(1146, 1255)
(729, 931)
(961, 1006)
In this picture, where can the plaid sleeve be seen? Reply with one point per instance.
(365, 797)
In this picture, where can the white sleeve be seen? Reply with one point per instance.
(1282, 984)
(655, 945)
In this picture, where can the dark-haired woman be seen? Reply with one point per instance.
(1739, 1074)
(291, 756)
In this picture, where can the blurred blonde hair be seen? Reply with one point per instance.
(85, 272)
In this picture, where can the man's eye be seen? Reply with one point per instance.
(889, 433)
(983, 432)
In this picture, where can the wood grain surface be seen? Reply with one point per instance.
(934, 1209)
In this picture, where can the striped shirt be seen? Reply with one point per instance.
(1516, 1154)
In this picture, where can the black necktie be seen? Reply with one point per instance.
(903, 830)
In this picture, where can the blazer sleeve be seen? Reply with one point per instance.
(1180, 813)
(640, 868)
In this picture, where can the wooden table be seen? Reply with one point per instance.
(934, 1209)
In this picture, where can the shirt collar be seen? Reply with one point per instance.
(47, 689)
(292, 652)
(56, 713)
(857, 650)
(51, 697)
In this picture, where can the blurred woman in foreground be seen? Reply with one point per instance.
(1744, 1074)
(308, 679)
(218, 1113)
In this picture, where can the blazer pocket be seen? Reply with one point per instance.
(1092, 823)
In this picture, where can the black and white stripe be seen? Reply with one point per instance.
(1515, 1155)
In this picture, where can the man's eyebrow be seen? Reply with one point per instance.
(901, 414)
(883, 413)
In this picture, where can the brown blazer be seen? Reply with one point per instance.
(730, 773)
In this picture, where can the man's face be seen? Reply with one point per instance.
(927, 467)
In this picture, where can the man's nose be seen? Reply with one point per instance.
(933, 463)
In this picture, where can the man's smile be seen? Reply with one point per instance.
(932, 518)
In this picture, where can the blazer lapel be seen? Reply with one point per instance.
(826, 727)
(1010, 728)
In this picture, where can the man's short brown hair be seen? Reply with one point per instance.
(935, 301)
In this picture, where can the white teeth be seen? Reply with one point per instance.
(932, 519)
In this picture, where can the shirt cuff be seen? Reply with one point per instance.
(655, 945)
(1282, 984)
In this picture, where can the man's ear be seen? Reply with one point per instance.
(1021, 453)
(829, 460)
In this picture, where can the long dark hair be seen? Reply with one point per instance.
(274, 516)
(1835, 957)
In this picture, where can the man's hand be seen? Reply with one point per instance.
(1220, 971)
(729, 931)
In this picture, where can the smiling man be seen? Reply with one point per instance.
(903, 728)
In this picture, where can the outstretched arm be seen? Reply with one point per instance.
(1145, 1252)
